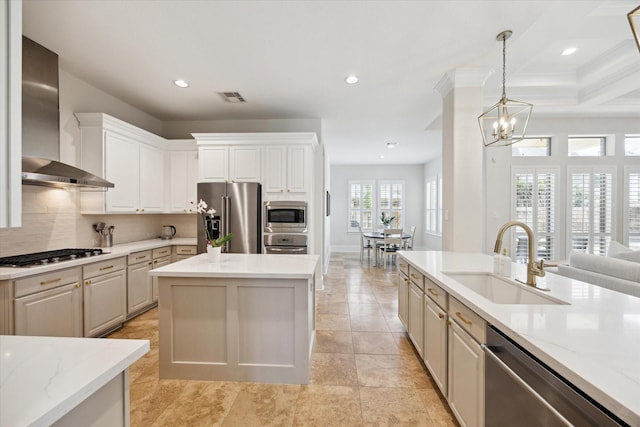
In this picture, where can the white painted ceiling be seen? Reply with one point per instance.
(288, 59)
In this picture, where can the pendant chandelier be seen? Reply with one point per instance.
(634, 21)
(506, 122)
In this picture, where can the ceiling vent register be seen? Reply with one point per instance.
(233, 97)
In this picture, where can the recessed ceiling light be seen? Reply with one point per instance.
(180, 83)
(382, 156)
(569, 51)
(392, 144)
(351, 79)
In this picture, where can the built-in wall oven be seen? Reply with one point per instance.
(285, 216)
(520, 390)
(283, 243)
(285, 227)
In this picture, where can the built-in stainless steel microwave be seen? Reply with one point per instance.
(285, 216)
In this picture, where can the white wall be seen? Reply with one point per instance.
(413, 176)
(432, 168)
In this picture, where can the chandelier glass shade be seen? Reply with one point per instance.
(634, 21)
(506, 122)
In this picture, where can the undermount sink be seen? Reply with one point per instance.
(501, 290)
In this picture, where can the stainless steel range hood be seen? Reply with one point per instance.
(41, 124)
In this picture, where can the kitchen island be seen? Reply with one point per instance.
(67, 381)
(589, 335)
(248, 317)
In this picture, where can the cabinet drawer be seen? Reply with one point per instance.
(42, 282)
(416, 277)
(467, 319)
(185, 250)
(436, 293)
(104, 267)
(403, 266)
(160, 252)
(138, 257)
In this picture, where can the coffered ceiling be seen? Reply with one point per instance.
(288, 59)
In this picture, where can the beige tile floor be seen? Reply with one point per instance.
(364, 370)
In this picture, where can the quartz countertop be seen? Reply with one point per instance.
(115, 251)
(593, 341)
(269, 266)
(43, 378)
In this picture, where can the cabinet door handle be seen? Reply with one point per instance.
(433, 292)
(106, 268)
(440, 316)
(403, 265)
(406, 281)
(141, 257)
(415, 276)
(87, 282)
(77, 285)
(461, 317)
(48, 282)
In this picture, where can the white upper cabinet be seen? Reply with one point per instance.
(245, 164)
(281, 161)
(131, 158)
(286, 169)
(183, 176)
(11, 113)
(213, 164)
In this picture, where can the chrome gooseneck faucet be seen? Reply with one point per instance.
(533, 269)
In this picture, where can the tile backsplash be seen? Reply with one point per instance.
(51, 220)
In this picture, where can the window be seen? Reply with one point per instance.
(361, 205)
(535, 205)
(632, 145)
(390, 201)
(532, 147)
(433, 203)
(632, 208)
(587, 146)
(366, 206)
(591, 210)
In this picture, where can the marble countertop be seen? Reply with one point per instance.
(268, 266)
(43, 378)
(115, 251)
(593, 341)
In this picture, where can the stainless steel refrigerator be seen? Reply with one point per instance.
(238, 210)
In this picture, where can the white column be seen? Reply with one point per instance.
(462, 160)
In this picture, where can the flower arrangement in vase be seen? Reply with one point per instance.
(214, 246)
(386, 220)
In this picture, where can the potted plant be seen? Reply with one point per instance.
(386, 220)
(214, 246)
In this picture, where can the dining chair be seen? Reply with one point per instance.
(391, 244)
(364, 244)
(408, 243)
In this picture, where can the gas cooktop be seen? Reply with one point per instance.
(47, 257)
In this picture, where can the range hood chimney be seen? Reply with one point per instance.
(41, 124)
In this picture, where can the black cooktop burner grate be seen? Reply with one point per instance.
(47, 257)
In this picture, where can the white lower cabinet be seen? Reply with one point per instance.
(139, 283)
(161, 257)
(435, 342)
(416, 317)
(403, 299)
(105, 296)
(49, 304)
(466, 365)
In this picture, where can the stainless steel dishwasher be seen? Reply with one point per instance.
(521, 390)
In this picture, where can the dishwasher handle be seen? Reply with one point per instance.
(488, 352)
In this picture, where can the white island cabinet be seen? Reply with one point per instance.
(66, 381)
(248, 317)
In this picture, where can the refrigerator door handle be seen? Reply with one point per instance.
(227, 211)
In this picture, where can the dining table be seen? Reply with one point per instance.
(377, 236)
